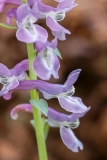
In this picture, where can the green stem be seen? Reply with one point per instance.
(24, 1)
(36, 113)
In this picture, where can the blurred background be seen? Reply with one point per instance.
(85, 48)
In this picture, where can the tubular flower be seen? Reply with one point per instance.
(53, 15)
(66, 123)
(3, 3)
(46, 62)
(10, 78)
(62, 92)
(27, 32)
(56, 119)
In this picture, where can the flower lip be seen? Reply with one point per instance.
(27, 23)
(46, 54)
(58, 16)
(73, 124)
(65, 93)
(6, 80)
(70, 92)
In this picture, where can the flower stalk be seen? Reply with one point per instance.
(36, 113)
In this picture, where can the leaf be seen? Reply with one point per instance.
(7, 26)
(56, 51)
(32, 123)
(41, 105)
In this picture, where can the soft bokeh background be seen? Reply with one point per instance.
(85, 48)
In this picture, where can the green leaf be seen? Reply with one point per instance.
(46, 129)
(32, 123)
(7, 26)
(41, 105)
(56, 51)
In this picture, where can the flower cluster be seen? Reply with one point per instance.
(45, 64)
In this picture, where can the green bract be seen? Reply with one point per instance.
(41, 105)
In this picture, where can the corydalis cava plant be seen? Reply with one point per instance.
(43, 64)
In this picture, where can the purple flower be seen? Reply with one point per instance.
(62, 92)
(20, 107)
(66, 123)
(53, 15)
(3, 3)
(10, 78)
(27, 32)
(56, 119)
(46, 62)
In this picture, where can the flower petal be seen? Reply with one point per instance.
(20, 107)
(12, 85)
(4, 70)
(22, 12)
(2, 6)
(7, 96)
(34, 12)
(61, 117)
(44, 87)
(7, 90)
(59, 0)
(71, 104)
(57, 30)
(46, 64)
(24, 35)
(42, 33)
(48, 89)
(74, 116)
(11, 13)
(31, 2)
(57, 116)
(13, 2)
(53, 43)
(53, 25)
(72, 78)
(20, 68)
(66, 5)
(40, 45)
(45, 8)
(70, 140)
